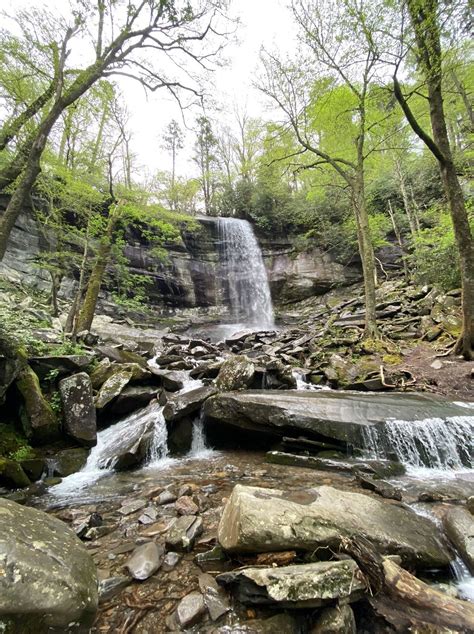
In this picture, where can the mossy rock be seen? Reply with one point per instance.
(39, 421)
(12, 474)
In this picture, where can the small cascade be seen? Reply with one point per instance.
(434, 443)
(114, 441)
(244, 275)
(464, 579)
(199, 447)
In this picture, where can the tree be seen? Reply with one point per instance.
(326, 98)
(173, 142)
(426, 20)
(206, 160)
(120, 31)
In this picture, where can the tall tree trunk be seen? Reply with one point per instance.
(86, 314)
(13, 169)
(367, 256)
(398, 235)
(406, 203)
(424, 18)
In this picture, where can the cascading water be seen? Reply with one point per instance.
(244, 275)
(113, 442)
(434, 443)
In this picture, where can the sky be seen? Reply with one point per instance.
(262, 23)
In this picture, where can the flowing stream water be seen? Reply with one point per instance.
(244, 275)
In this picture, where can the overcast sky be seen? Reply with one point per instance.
(263, 22)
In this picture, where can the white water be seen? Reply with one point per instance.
(199, 448)
(433, 442)
(244, 275)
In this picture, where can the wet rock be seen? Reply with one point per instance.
(183, 533)
(38, 419)
(149, 515)
(335, 620)
(49, 578)
(215, 598)
(145, 560)
(190, 609)
(185, 505)
(171, 560)
(304, 586)
(78, 407)
(69, 461)
(132, 506)
(12, 474)
(385, 489)
(171, 381)
(181, 405)
(133, 397)
(353, 465)
(33, 467)
(109, 588)
(459, 525)
(112, 387)
(470, 504)
(210, 557)
(341, 416)
(206, 370)
(166, 497)
(259, 520)
(10, 366)
(280, 623)
(236, 373)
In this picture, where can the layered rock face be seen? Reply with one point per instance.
(191, 276)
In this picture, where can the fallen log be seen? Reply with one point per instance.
(402, 599)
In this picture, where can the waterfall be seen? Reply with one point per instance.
(244, 275)
(433, 442)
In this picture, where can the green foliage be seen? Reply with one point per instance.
(13, 445)
(435, 256)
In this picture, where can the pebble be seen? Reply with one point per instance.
(145, 560)
(149, 515)
(184, 532)
(166, 497)
(190, 609)
(170, 561)
(185, 505)
(132, 506)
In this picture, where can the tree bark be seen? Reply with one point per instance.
(367, 256)
(86, 314)
(402, 599)
(424, 18)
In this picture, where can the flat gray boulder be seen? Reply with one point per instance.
(47, 578)
(338, 415)
(265, 520)
(181, 405)
(304, 586)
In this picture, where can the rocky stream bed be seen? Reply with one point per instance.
(252, 484)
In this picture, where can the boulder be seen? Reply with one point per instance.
(12, 474)
(304, 586)
(48, 578)
(39, 421)
(78, 407)
(69, 461)
(236, 373)
(342, 416)
(119, 355)
(459, 525)
(181, 405)
(133, 397)
(259, 520)
(215, 598)
(170, 380)
(60, 364)
(112, 387)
